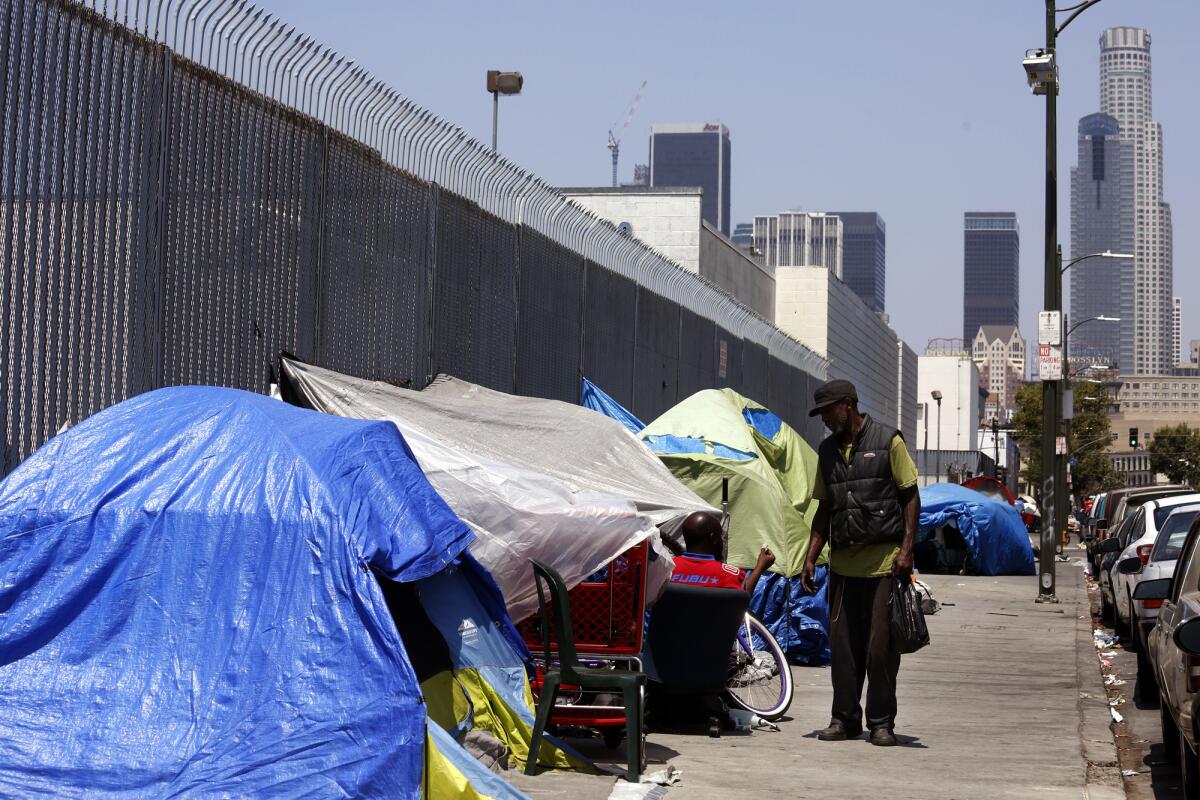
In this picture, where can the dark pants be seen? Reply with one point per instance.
(860, 641)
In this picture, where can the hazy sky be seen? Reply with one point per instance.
(917, 110)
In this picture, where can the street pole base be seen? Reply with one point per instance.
(1047, 598)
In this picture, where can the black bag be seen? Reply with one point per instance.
(909, 633)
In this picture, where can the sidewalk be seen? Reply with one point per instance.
(1006, 703)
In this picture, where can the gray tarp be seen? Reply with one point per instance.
(533, 477)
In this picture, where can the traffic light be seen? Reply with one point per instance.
(1133, 438)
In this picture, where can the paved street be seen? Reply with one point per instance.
(1006, 703)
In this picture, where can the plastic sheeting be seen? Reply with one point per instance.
(996, 538)
(593, 397)
(190, 605)
(798, 620)
(533, 478)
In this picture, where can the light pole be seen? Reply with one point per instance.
(499, 83)
(937, 395)
(1041, 71)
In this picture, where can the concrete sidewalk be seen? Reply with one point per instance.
(1006, 702)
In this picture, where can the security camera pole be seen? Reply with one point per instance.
(1042, 72)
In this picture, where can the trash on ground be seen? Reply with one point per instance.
(1128, 773)
(1116, 715)
(652, 786)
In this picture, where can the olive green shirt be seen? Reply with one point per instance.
(870, 560)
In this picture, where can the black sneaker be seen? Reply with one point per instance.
(838, 732)
(882, 737)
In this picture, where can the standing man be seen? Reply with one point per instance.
(868, 512)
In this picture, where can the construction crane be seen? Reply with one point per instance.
(614, 142)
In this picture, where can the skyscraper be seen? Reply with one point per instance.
(1176, 331)
(864, 255)
(991, 270)
(800, 239)
(694, 154)
(1125, 95)
(1102, 190)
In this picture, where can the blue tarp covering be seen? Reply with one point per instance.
(798, 620)
(595, 398)
(996, 538)
(189, 605)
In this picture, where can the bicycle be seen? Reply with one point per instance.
(760, 680)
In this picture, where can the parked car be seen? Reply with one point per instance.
(1173, 647)
(1147, 521)
(1118, 508)
(1108, 550)
(1164, 555)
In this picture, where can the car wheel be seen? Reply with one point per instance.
(1119, 627)
(1144, 688)
(1170, 734)
(1106, 610)
(1187, 769)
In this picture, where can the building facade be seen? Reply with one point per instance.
(800, 239)
(1177, 333)
(999, 353)
(864, 256)
(991, 270)
(743, 238)
(906, 401)
(1125, 95)
(956, 425)
(1102, 219)
(694, 154)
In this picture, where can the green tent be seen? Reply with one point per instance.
(717, 434)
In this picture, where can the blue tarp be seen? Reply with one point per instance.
(996, 537)
(799, 621)
(189, 605)
(593, 397)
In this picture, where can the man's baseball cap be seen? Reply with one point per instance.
(832, 392)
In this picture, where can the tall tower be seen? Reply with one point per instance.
(864, 256)
(991, 270)
(800, 239)
(1102, 218)
(694, 154)
(1125, 95)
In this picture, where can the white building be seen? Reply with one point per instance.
(800, 239)
(815, 307)
(956, 425)
(1125, 94)
(669, 220)
(999, 353)
(1177, 330)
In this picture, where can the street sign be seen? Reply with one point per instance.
(1050, 327)
(1060, 445)
(1049, 362)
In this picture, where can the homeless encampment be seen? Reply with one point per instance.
(992, 533)
(717, 435)
(193, 593)
(534, 478)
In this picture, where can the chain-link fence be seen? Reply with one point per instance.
(192, 188)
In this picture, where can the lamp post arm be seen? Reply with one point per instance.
(1078, 9)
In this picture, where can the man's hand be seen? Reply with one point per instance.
(902, 565)
(765, 559)
(808, 576)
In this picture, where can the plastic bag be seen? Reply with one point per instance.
(909, 633)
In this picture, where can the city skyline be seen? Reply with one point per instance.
(884, 140)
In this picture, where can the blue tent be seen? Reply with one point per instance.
(190, 585)
(993, 531)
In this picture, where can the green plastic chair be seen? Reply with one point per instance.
(571, 671)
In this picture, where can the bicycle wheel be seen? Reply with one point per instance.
(760, 680)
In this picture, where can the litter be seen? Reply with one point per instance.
(1128, 773)
(746, 720)
(1109, 654)
(1113, 680)
(651, 787)
(1116, 715)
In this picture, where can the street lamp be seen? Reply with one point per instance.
(1041, 70)
(937, 395)
(499, 83)
(1105, 254)
(1100, 318)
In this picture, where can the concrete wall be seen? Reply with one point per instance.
(814, 306)
(722, 263)
(906, 411)
(666, 219)
(957, 378)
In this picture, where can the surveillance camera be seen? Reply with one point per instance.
(1040, 71)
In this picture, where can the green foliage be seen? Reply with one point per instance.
(1175, 452)
(1087, 439)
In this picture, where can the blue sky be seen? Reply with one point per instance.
(917, 110)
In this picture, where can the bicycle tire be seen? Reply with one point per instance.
(762, 684)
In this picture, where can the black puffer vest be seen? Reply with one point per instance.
(864, 504)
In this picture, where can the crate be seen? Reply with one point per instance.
(607, 609)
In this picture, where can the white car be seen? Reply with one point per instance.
(1148, 519)
(1161, 564)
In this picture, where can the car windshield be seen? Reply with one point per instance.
(1161, 514)
(1171, 537)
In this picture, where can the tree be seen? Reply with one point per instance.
(1175, 452)
(1089, 434)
